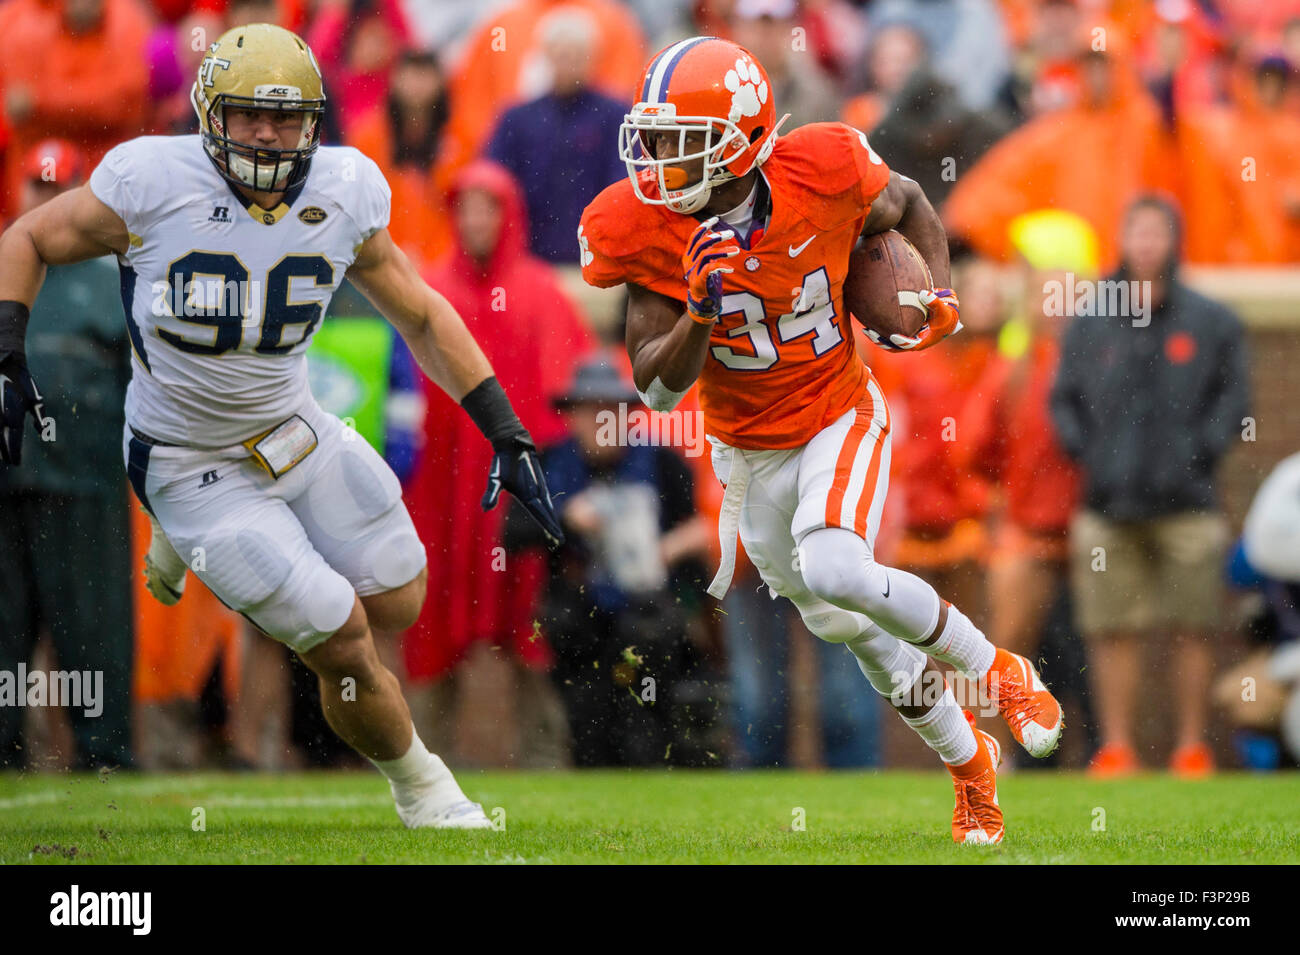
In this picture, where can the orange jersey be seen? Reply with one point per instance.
(782, 364)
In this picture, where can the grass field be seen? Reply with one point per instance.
(646, 816)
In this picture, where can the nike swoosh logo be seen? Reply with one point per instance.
(886, 594)
(796, 249)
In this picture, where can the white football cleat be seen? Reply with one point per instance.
(164, 571)
(437, 802)
(459, 815)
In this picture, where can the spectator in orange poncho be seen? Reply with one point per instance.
(503, 64)
(176, 650)
(943, 538)
(1006, 432)
(1091, 158)
(1241, 175)
(533, 337)
(405, 135)
(73, 69)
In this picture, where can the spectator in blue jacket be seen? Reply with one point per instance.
(562, 147)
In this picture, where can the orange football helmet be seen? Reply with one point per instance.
(706, 85)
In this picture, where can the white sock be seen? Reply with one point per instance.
(946, 731)
(414, 767)
(420, 775)
(963, 645)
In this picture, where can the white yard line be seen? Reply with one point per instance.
(30, 799)
(206, 796)
(297, 802)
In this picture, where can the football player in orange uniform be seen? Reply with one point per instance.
(734, 243)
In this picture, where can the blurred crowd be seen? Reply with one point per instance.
(1060, 140)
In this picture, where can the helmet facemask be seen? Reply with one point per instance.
(264, 169)
(724, 143)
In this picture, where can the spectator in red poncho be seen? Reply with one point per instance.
(356, 43)
(533, 336)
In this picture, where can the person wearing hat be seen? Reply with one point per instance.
(67, 510)
(612, 607)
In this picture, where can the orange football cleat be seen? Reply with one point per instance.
(1193, 762)
(1030, 710)
(1114, 759)
(976, 818)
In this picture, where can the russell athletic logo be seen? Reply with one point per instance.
(75, 907)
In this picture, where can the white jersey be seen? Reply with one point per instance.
(222, 297)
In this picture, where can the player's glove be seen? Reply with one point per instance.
(942, 308)
(515, 466)
(518, 470)
(703, 265)
(19, 395)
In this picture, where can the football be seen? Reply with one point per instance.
(882, 289)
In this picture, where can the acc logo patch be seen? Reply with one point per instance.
(313, 215)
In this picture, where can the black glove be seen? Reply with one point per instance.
(19, 395)
(515, 466)
(519, 471)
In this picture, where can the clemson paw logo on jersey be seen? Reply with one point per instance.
(748, 90)
(584, 250)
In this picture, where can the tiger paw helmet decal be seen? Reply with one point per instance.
(748, 89)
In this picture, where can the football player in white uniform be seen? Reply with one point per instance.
(230, 245)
